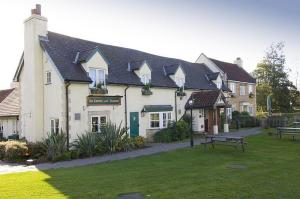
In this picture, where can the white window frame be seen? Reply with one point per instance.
(145, 78)
(180, 81)
(97, 81)
(1, 126)
(48, 77)
(244, 90)
(250, 90)
(250, 107)
(162, 123)
(99, 120)
(54, 129)
(232, 87)
(219, 85)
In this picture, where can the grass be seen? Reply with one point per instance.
(272, 170)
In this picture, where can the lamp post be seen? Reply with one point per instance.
(191, 102)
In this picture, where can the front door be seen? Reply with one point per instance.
(134, 124)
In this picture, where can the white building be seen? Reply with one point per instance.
(76, 85)
(9, 112)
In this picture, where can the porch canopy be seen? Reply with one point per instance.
(211, 99)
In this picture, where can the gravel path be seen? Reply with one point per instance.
(6, 168)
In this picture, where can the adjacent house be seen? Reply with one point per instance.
(9, 112)
(241, 84)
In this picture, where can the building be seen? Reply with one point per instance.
(9, 112)
(77, 85)
(239, 81)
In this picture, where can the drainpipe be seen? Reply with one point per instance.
(125, 98)
(67, 113)
(175, 106)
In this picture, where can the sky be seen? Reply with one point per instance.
(221, 29)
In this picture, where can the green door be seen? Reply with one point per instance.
(134, 124)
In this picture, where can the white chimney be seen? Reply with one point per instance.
(239, 62)
(32, 77)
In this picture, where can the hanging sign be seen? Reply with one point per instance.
(103, 100)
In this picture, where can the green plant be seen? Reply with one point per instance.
(13, 150)
(164, 135)
(36, 150)
(55, 145)
(114, 138)
(174, 132)
(87, 144)
(138, 142)
(63, 157)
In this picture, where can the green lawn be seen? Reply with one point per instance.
(272, 171)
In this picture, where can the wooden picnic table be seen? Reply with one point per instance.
(288, 131)
(234, 141)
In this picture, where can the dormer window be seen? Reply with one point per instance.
(98, 76)
(219, 85)
(180, 81)
(146, 78)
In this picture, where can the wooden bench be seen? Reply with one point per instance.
(233, 141)
(288, 131)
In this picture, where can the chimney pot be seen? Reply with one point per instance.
(33, 11)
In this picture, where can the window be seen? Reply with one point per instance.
(98, 122)
(146, 78)
(55, 126)
(48, 77)
(154, 120)
(97, 76)
(250, 110)
(232, 87)
(229, 113)
(180, 81)
(160, 120)
(166, 119)
(250, 89)
(242, 90)
(219, 85)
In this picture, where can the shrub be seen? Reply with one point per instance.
(13, 150)
(55, 145)
(138, 142)
(36, 150)
(174, 132)
(2, 150)
(114, 138)
(87, 144)
(63, 157)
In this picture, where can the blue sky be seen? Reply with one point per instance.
(222, 29)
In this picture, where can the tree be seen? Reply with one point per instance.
(272, 78)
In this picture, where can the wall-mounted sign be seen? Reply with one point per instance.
(103, 100)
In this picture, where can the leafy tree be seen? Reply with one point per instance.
(272, 78)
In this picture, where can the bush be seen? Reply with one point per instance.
(36, 150)
(174, 132)
(13, 150)
(87, 144)
(138, 142)
(114, 138)
(55, 145)
(63, 157)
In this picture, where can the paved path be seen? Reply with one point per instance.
(155, 148)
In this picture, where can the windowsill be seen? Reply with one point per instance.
(48, 83)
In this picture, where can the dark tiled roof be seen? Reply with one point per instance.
(5, 93)
(234, 72)
(135, 65)
(171, 69)
(204, 99)
(85, 54)
(213, 76)
(63, 49)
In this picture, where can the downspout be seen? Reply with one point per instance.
(176, 105)
(67, 113)
(125, 98)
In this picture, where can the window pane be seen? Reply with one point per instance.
(92, 74)
(155, 116)
(95, 124)
(154, 124)
(101, 76)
